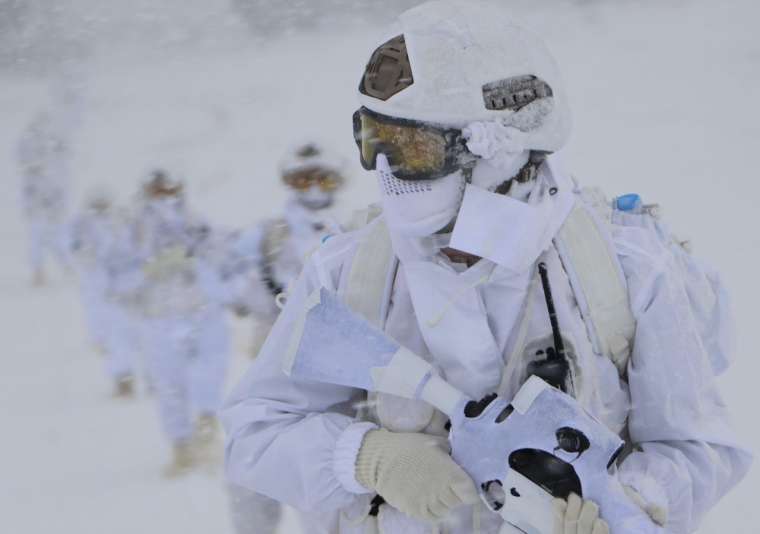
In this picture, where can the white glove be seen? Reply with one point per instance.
(413, 473)
(578, 516)
(656, 513)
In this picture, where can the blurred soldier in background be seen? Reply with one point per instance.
(104, 249)
(264, 261)
(85, 241)
(268, 256)
(185, 334)
(43, 163)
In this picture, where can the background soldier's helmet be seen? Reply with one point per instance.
(160, 184)
(310, 164)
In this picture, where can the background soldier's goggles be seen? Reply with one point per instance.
(415, 150)
(303, 179)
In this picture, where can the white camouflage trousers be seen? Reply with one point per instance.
(187, 358)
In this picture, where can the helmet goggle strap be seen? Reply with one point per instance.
(416, 150)
(306, 177)
(527, 172)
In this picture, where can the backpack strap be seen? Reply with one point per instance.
(372, 270)
(276, 233)
(585, 246)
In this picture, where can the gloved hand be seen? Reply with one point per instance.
(578, 516)
(414, 473)
(656, 513)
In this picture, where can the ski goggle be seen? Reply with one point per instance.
(303, 179)
(415, 150)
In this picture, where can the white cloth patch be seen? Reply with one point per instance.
(333, 345)
(509, 232)
(314, 198)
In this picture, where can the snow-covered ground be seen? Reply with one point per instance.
(664, 99)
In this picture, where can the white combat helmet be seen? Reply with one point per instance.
(454, 62)
(160, 184)
(310, 155)
(313, 173)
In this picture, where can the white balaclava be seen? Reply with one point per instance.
(169, 209)
(314, 198)
(418, 208)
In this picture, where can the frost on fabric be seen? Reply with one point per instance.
(508, 135)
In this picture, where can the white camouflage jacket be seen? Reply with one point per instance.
(297, 442)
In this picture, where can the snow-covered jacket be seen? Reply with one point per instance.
(297, 441)
(181, 274)
(270, 255)
(105, 251)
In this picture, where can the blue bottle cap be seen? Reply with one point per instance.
(629, 202)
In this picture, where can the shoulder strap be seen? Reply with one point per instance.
(372, 270)
(276, 233)
(585, 247)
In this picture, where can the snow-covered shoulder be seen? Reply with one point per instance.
(654, 260)
(687, 452)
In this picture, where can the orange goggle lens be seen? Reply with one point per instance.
(303, 179)
(415, 150)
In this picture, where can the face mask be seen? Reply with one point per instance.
(418, 208)
(314, 198)
(507, 231)
(169, 210)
